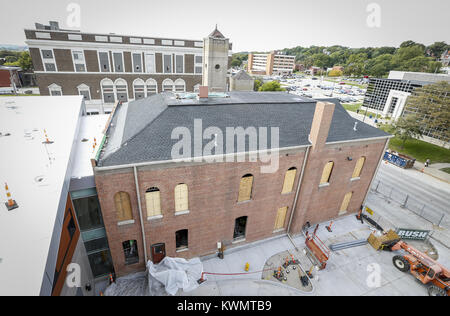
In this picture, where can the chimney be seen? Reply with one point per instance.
(204, 93)
(321, 124)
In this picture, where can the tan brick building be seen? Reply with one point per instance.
(271, 64)
(106, 68)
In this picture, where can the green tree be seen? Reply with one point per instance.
(438, 48)
(257, 85)
(407, 128)
(25, 61)
(271, 86)
(356, 64)
(432, 103)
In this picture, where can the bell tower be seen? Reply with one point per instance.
(215, 61)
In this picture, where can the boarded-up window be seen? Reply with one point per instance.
(345, 203)
(123, 206)
(281, 218)
(326, 175)
(181, 198)
(245, 188)
(289, 180)
(153, 201)
(358, 168)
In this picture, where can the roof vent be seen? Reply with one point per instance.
(356, 127)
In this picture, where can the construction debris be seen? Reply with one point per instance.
(379, 241)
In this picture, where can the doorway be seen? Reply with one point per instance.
(158, 253)
(240, 228)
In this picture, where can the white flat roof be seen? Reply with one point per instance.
(36, 174)
(91, 129)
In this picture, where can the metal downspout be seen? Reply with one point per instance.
(294, 206)
(140, 214)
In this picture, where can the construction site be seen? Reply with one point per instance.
(349, 257)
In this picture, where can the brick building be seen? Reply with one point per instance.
(105, 68)
(270, 64)
(155, 205)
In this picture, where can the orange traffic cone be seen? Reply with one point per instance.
(47, 141)
(329, 227)
(11, 204)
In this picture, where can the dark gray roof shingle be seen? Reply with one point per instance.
(147, 134)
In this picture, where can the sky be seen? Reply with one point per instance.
(251, 25)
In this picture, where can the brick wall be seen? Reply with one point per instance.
(213, 193)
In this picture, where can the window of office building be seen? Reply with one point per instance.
(104, 61)
(55, 90)
(139, 89)
(167, 85)
(121, 90)
(118, 62)
(152, 87)
(84, 91)
(150, 63)
(108, 91)
(137, 62)
(79, 61)
(167, 64)
(345, 203)
(281, 218)
(358, 168)
(180, 85)
(179, 59)
(48, 60)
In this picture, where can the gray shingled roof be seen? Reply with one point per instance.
(242, 75)
(141, 131)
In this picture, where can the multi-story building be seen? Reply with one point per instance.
(388, 97)
(105, 68)
(156, 204)
(271, 64)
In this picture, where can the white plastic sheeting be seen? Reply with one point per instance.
(173, 274)
(162, 279)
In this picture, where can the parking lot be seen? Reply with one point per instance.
(318, 87)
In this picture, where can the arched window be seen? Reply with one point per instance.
(289, 180)
(55, 90)
(123, 206)
(327, 171)
(246, 188)
(182, 239)
(139, 89)
(281, 218)
(152, 87)
(153, 201)
(358, 168)
(180, 85)
(345, 203)
(121, 90)
(181, 198)
(130, 251)
(85, 91)
(107, 90)
(167, 85)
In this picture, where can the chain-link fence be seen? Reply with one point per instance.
(420, 208)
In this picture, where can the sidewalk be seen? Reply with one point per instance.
(434, 170)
